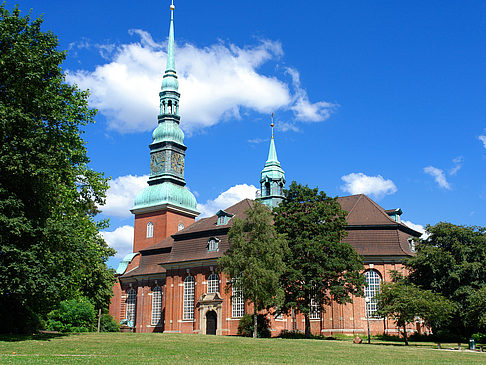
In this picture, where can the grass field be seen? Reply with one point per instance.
(125, 348)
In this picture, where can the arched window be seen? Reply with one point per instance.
(372, 288)
(237, 302)
(150, 229)
(267, 189)
(213, 283)
(170, 106)
(131, 306)
(213, 244)
(156, 306)
(188, 301)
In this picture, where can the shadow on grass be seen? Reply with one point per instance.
(41, 336)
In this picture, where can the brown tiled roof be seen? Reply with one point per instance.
(192, 243)
(149, 264)
(371, 232)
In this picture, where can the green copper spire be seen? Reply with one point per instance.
(272, 180)
(170, 48)
(167, 151)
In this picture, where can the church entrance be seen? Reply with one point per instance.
(211, 322)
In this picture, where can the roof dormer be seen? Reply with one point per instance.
(223, 217)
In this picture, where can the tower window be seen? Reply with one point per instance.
(267, 189)
(188, 301)
(213, 283)
(315, 312)
(150, 229)
(170, 106)
(156, 306)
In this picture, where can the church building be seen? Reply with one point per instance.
(170, 283)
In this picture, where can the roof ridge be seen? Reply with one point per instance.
(380, 208)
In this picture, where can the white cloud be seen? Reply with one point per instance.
(458, 162)
(226, 199)
(483, 139)
(439, 176)
(418, 227)
(121, 194)
(121, 239)
(359, 183)
(215, 82)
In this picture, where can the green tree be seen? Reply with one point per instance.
(452, 262)
(50, 248)
(255, 259)
(321, 267)
(405, 302)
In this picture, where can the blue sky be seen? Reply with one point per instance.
(385, 98)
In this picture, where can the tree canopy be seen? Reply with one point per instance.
(404, 303)
(50, 248)
(452, 262)
(320, 266)
(255, 259)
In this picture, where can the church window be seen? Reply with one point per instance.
(315, 312)
(156, 306)
(371, 289)
(213, 283)
(189, 295)
(213, 244)
(237, 302)
(131, 306)
(150, 229)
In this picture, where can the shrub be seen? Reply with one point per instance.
(245, 327)
(297, 335)
(479, 338)
(72, 316)
(108, 324)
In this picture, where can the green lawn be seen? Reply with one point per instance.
(125, 348)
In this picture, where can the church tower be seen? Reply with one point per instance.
(272, 180)
(166, 205)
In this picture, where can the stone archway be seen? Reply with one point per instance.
(210, 309)
(211, 322)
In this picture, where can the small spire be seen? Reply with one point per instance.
(170, 47)
(272, 152)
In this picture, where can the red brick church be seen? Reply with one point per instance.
(170, 282)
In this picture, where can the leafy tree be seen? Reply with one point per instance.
(247, 323)
(50, 248)
(320, 266)
(405, 302)
(255, 259)
(452, 262)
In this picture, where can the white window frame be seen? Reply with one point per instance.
(237, 303)
(373, 282)
(189, 298)
(213, 244)
(150, 230)
(213, 283)
(315, 311)
(156, 306)
(131, 302)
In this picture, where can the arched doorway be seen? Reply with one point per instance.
(211, 323)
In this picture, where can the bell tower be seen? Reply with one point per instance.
(272, 181)
(166, 205)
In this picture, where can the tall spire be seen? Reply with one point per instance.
(272, 179)
(170, 47)
(167, 151)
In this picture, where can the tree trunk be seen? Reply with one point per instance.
(255, 323)
(307, 326)
(405, 334)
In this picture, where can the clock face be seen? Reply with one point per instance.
(157, 162)
(177, 163)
